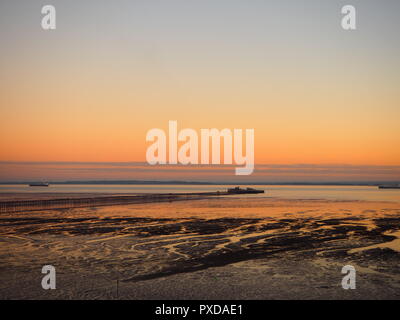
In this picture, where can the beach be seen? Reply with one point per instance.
(212, 248)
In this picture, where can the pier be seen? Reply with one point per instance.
(9, 206)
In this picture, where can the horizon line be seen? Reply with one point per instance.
(191, 182)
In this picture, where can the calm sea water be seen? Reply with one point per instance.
(288, 192)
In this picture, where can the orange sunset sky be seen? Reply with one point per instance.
(89, 91)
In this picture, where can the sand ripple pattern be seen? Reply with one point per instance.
(133, 249)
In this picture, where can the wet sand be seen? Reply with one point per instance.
(222, 248)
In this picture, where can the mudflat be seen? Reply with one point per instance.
(219, 248)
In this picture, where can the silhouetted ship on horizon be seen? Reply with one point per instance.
(38, 184)
(238, 190)
(389, 186)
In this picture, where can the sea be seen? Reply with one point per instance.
(369, 193)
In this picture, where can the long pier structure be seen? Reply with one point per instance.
(9, 206)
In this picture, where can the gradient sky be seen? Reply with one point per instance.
(91, 89)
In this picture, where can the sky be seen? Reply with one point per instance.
(86, 93)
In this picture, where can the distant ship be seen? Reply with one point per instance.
(238, 190)
(39, 184)
(388, 186)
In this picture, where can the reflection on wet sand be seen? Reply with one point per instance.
(138, 244)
